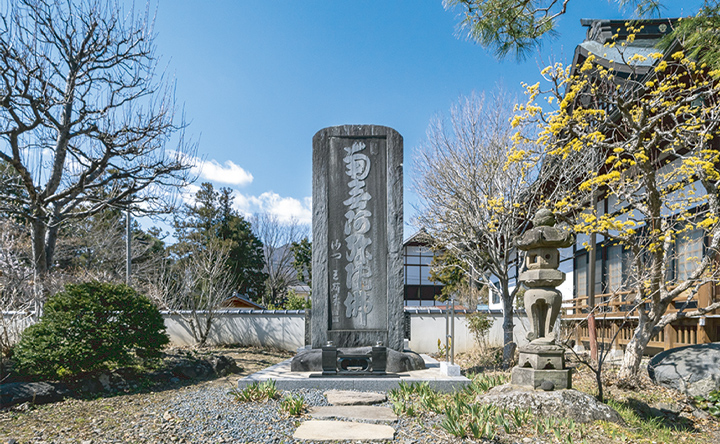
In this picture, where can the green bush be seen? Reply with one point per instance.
(479, 324)
(89, 327)
(296, 302)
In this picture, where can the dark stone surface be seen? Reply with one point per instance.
(573, 404)
(178, 368)
(223, 365)
(379, 230)
(33, 392)
(397, 362)
(693, 370)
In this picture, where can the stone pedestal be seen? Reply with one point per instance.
(448, 369)
(541, 379)
(542, 363)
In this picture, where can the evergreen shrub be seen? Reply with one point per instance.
(91, 326)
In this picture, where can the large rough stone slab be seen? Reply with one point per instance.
(362, 413)
(397, 362)
(693, 370)
(349, 397)
(34, 392)
(319, 430)
(573, 404)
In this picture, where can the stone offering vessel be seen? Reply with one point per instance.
(542, 362)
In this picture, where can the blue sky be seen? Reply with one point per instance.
(258, 78)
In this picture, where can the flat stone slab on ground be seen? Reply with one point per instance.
(579, 406)
(349, 397)
(364, 413)
(318, 430)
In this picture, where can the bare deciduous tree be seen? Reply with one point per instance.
(196, 288)
(277, 239)
(472, 203)
(84, 119)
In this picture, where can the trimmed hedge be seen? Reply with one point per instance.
(88, 327)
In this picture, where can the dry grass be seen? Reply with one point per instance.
(653, 414)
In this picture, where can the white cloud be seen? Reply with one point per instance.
(286, 209)
(229, 172)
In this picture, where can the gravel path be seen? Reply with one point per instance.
(205, 413)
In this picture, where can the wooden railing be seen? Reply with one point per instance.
(616, 317)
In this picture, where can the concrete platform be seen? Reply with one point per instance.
(287, 380)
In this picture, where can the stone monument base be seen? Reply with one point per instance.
(397, 362)
(529, 377)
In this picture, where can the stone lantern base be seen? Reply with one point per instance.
(541, 379)
(542, 366)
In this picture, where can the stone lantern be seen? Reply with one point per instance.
(542, 361)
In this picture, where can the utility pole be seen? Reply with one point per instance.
(128, 251)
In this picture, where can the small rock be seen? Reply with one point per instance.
(104, 380)
(167, 416)
(548, 386)
(700, 414)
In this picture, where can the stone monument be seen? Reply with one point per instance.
(357, 295)
(542, 361)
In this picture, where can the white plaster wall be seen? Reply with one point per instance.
(13, 323)
(428, 328)
(284, 331)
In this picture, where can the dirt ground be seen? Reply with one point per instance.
(119, 416)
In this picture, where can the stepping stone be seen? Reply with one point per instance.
(348, 397)
(364, 413)
(339, 431)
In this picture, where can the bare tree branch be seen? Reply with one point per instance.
(84, 118)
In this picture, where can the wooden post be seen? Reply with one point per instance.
(702, 334)
(614, 335)
(669, 333)
(592, 333)
(578, 334)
